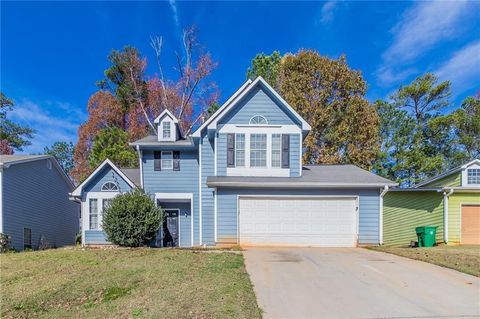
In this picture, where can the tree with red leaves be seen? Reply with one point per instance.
(129, 100)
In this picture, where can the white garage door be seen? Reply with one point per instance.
(298, 221)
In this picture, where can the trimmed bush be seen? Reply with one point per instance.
(132, 219)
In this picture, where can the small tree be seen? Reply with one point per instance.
(132, 219)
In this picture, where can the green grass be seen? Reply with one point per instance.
(125, 283)
(462, 258)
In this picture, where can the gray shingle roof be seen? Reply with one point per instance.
(133, 174)
(152, 140)
(10, 159)
(312, 176)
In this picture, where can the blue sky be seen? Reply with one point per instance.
(52, 53)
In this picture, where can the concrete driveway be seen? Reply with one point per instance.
(357, 283)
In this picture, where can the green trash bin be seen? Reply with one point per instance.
(426, 235)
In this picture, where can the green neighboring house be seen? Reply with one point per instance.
(450, 201)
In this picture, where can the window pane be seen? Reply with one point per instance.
(106, 203)
(258, 150)
(276, 148)
(473, 176)
(93, 213)
(167, 160)
(240, 150)
(166, 129)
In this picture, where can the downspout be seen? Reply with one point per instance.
(141, 165)
(445, 214)
(380, 222)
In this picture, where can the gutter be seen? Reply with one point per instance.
(380, 220)
(445, 213)
(284, 184)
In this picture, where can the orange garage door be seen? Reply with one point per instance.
(471, 224)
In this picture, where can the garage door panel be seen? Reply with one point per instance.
(328, 222)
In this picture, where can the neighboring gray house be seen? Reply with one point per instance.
(35, 209)
(239, 179)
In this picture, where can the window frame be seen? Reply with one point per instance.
(164, 130)
(116, 189)
(162, 159)
(264, 119)
(90, 214)
(277, 150)
(252, 150)
(473, 174)
(237, 149)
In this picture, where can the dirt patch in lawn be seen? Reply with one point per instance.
(462, 258)
(125, 283)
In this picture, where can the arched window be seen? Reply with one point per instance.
(109, 187)
(258, 120)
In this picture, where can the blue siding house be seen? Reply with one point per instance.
(239, 179)
(35, 210)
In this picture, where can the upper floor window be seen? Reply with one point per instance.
(258, 120)
(109, 187)
(258, 150)
(166, 130)
(167, 160)
(276, 150)
(473, 176)
(240, 150)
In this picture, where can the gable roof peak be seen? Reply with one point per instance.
(165, 112)
(246, 88)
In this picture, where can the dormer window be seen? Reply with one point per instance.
(473, 176)
(258, 120)
(166, 130)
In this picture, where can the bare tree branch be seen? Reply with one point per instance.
(139, 100)
(156, 43)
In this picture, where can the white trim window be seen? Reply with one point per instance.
(109, 187)
(258, 150)
(258, 120)
(240, 150)
(473, 176)
(166, 130)
(276, 150)
(167, 160)
(106, 202)
(93, 213)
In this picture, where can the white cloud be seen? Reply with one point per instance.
(49, 128)
(463, 68)
(420, 29)
(173, 6)
(327, 12)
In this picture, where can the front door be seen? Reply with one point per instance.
(170, 228)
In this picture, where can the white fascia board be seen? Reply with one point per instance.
(213, 124)
(198, 132)
(78, 191)
(165, 113)
(475, 161)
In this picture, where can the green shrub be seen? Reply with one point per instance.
(4, 243)
(132, 219)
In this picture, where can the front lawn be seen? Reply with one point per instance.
(126, 283)
(462, 258)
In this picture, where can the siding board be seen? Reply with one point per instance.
(404, 211)
(36, 197)
(227, 210)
